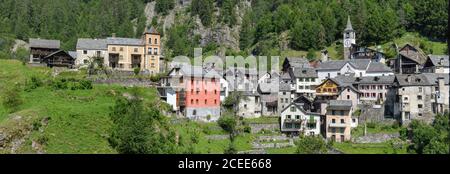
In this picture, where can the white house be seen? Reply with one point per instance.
(306, 80)
(89, 48)
(295, 120)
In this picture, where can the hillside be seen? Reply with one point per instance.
(227, 26)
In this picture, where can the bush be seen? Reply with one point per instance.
(136, 71)
(247, 129)
(12, 99)
(33, 83)
(372, 125)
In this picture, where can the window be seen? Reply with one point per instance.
(297, 117)
(420, 106)
(284, 93)
(342, 121)
(354, 120)
(84, 51)
(149, 50)
(194, 112)
(181, 79)
(333, 121)
(206, 92)
(149, 40)
(121, 48)
(156, 51)
(293, 109)
(380, 87)
(215, 91)
(348, 90)
(136, 50)
(156, 41)
(215, 101)
(192, 101)
(206, 101)
(196, 101)
(288, 116)
(245, 106)
(348, 97)
(192, 91)
(419, 97)
(121, 65)
(300, 79)
(420, 89)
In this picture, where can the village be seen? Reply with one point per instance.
(327, 97)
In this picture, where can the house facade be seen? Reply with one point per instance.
(88, 49)
(295, 120)
(436, 64)
(41, 48)
(306, 80)
(339, 120)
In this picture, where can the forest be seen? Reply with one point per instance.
(309, 24)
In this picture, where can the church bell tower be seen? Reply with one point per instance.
(349, 39)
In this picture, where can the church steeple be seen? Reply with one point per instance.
(349, 25)
(349, 39)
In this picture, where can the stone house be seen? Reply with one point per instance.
(339, 120)
(436, 64)
(87, 49)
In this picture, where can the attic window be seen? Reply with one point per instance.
(304, 71)
(417, 80)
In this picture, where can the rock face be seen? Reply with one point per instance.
(227, 36)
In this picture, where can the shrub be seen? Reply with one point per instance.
(85, 84)
(12, 99)
(371, 125)
(33, 83)
(247, 129)
(136, 71)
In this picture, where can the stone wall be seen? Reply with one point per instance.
(257, 127)
(128, 82)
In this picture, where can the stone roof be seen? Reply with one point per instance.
(340, 104)
(343, 80)
(73, 54)
(378, 67)
(413, 53)
(433, 77)
(338, 64)
(151, 30)
(298, 106)
(124, 41)
(298, 62)
(286, 76)
(375, 80)
(412, 80)
(91, 44)
(304, 72)
(436, 60)
(42, 43)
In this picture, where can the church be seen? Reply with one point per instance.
(354, 51)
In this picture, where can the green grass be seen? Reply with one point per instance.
(79, 120)
(378, 128)
(373, 148)
(262, 120)
(415, 39)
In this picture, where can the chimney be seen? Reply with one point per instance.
(114, 35)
